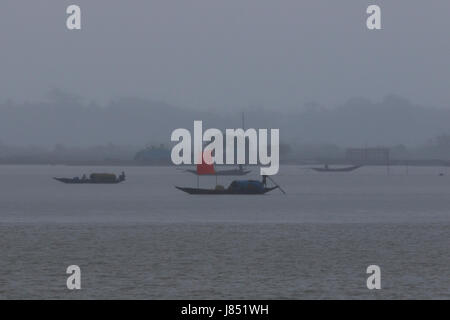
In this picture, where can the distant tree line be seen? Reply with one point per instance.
(437, 148)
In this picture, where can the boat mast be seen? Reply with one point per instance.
(241, 167)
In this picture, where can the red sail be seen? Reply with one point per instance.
(205, 168)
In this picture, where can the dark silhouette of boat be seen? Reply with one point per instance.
(248, 187)
(213, 172)
(206, 168)
(94, 178)
(327, 169)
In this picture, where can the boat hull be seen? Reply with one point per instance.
(223, 173)
(198, 191)
(347, 169)
(87, 181)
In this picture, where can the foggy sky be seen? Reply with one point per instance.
(234, 53)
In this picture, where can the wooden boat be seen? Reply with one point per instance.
(248, 187)
(95, 178)
(229, 172)
(205, 169)
(327, 169)
(222, 191)
(208, 169)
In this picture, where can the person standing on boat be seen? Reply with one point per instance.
(264, 180)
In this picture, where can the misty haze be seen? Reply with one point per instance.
(136, 72)
(121, 128)
(86, 176)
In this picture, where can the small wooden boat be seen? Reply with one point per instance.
(223, 191)
(95, 178)
(229, 172)
(245, 187)
(205, 169)
(327, 169)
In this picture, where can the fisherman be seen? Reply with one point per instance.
(122, 176)
(264, 180)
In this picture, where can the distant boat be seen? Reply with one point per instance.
(205, 169)
(327, 169)
(244, 187)
(208, 169)
(94, 178)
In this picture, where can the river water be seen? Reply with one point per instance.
(144, 239)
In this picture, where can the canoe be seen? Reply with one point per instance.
(346, 169)
(86, 181)
(94, 178)
(231, 172)
(224, 191)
